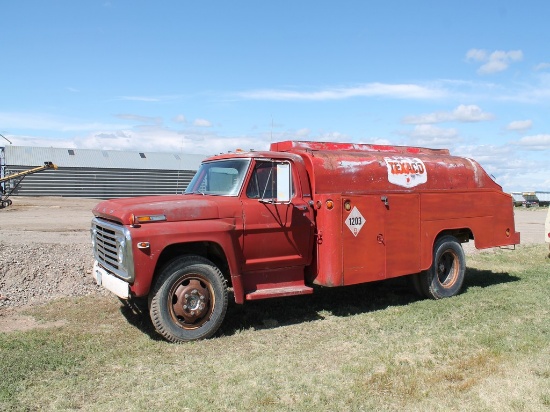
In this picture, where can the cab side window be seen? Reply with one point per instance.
(263, 182)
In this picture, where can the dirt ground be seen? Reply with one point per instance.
(45, 252)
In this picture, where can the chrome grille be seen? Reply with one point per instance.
(108, 240)
(106, 246)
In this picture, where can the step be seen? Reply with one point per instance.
(279, 292)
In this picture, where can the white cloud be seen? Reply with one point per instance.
(38, 121)
(494, 62)
(152, 138)
(463, 113)
(396, 91)
(511, 171)
(302, 133)
(180, 118)
(140, 119)
(542, 66)
(202, 123)
(139, 98)
(431, 136)
(519, 125)
(491, 156)
(535, 142)
(152, 99)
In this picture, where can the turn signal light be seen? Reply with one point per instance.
(136, 220)
(330, 204)
(143, 245)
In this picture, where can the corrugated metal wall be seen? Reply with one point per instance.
(100, 183)
(100, 174)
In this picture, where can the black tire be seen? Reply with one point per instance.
(446, 275)
(188, 300)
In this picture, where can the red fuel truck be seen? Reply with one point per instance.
(275, 223)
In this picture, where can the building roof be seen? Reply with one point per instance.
(100, 159)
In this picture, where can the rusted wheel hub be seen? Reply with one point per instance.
(191, 303)
(447, 269)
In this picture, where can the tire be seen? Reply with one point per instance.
(446, 275)
(188, 300)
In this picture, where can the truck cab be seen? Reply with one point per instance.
(245, 221)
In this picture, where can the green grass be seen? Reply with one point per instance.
(369, 347)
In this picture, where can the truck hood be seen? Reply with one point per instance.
(174, 207)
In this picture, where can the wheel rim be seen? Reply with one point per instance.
(191, 301)
(448, 268)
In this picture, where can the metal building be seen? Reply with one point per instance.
(100, 174)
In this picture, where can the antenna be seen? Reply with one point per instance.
(5, 138)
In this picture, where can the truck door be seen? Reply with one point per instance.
(276, 235)
(363, 240)
(402, 234)
(381, 237)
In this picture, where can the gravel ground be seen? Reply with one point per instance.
(35, 273)
(45, 250)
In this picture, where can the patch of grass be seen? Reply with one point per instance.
(369, 347)
(32, 353)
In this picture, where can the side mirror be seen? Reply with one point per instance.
(284, 183)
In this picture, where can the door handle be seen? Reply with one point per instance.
(380, 238)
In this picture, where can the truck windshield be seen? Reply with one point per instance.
(220, 177)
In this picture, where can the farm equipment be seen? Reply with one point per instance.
(4, 200)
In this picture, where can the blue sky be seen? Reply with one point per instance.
(212, 76)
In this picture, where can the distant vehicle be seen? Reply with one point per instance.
(531, 199)
(528, 203)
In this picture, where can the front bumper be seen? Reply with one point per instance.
(110, 282)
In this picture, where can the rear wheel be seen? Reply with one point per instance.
(189, 299)
(446, 275)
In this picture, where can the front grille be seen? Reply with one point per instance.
(108, 239)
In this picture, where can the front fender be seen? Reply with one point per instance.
(227, 233)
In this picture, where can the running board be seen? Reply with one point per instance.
(279, 292)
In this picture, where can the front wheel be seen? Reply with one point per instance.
(446, 275)
(189, 299)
